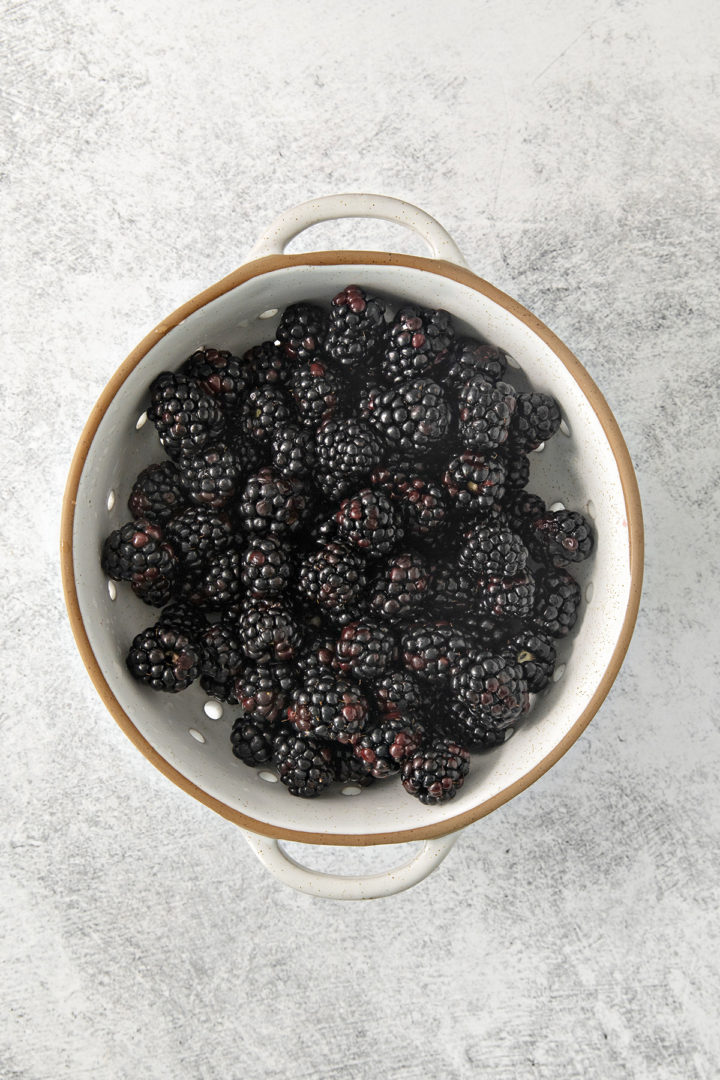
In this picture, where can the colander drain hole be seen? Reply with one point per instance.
(141, 421)
(539, 449)
(590, 507)
(213, 709)
(267, 776)
(110, 499)
(268, 314)
(558, 673)
(511, 361)
(589, 590)
(565, 428)
(112, 590)
(351, 789)
(197, 735)
(557, 506)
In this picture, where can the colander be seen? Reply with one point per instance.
(586, 467)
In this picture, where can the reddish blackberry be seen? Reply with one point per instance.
(490, 550)
(211, 477)
(535, 420)
(222, 662)
(314, 389)
(347, 451)
(157, 493)
(422, 504)
(252, 741)
(139, 552)
(302, 331)
(521, 509)
(304, 764)
(436, 772)
(401, 587)
(292, 449)
(266, 408)
(475, 481)
(271, 504)
(332, 577)
(269, 364)
(472, 358)
(412, 417)
(221, 375)
(416, 343)
(263, 690)
(164, 658)
(266, 568)
(517, 470)
(369, 522)
(535, 653)
(398, 693)
(328, 707)
(217, 582)
(484, 414)
(491, 694)
(268, 632)
(185, 417)
(432, 650)
(557, 600)
(365, 649)
(357, 322)
(507, 597)
(198, 533)
(561, 537)
(387, 743)
(348, 768)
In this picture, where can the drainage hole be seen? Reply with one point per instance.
(141, 421)
(268, 314)
(268, 777)
(557, 506)
(110, 499)
(112, 590)
(351, 789)
(539, 449)
(558, 672)
(590, 507)
(197, 735)
(564, 427)
(589, 590)
(213, 709)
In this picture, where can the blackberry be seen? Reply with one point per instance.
(557, 600)
(387, 744)
(433, 650)
(491, 694)
(485, 632)
(521, 509)
(153, 587)
(436, 772)
(561, 537)
(249, 455)
(508, 597)
(492, 551)
(368, 522)
(185, 417)
(535, 653)
(266, 408)
(139, 552)
(197, 534)
(484, 414)
(217, 583)
(271, 504)
(412, 417)
(332, 577)
(263, 690)
(328, 707)
(472, 358)
(357, 321)
(401, 587)
(422, 504)
(292, 449)
(475, 481)
(211, 477)
(268, 364)
(164, 658)
(252, 741)
(185, 617)
(304, 764)
(221, 375)
(365, 649)
(347, 451)
(157, 493)
(397, 693)
(517, 470)
(266, 568)
(302, 331)
(222, 662)
(416, 343)
(535, 420)
(314, 389)
(348, 768)
(453, 591)
(318, 657)
(268, 632)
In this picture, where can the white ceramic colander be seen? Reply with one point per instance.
(586, 467)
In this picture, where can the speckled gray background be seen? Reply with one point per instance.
(570, 146)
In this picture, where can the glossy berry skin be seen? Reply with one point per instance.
(365, 649)
(253, 741)
(507, 597)
(490, 694)
(211, 477)
(433, 650)
(197, 534)
(271, 505)
(268, 631)
(412, 417)
(535, 653)
(164, 658)
(368, 522)
(266, 568)
(186, 418)
(138, 552)
(269, 365)
(401, 587)
(561, 537)
(557, 602)
(398, 693)
(222, 662)
(304, 764)
(436, 772)
(416, 343)
(357, 322)
(347, 450)
(535, 420)
(474, 481)
(302, 331)
(470, 358)
(332, 577)
(222, 376)
(266, 408)
(217, 583)
(292, 449)
(329, 707)
(485, 411)
(388, 743)
(490, 550)
(263, 690)
(157, 494)
(422, 504)
(314, 388)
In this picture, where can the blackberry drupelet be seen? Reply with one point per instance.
(471, 358)
(328, 707)
(412, 417)
(491, 694)
(557, 600)
(304, 764)
(221, 375)
(561, 537)
(535, 653)
(535, 420)
(186, 418)
(401, 587)
(164, 658)
(368, 522)
(433, 650)
(157, 494)
(302, 331)
(252, 741)
(222, 662)
(357, 322)
(217, 583)
(266, 567)
(266, 408)
(387, 743)
(492, 551)
(314, 389)
(271, 504)
(484, 413)
(397, 694)
(197, 534)
(332, 577)
(210, 477)
(475, 481)
(347, 450)
(292, 449)
(268, 631)
(436, 772)
(269, 365)
(365, 649)
(264, 690)
(416, 343)
(507, 597)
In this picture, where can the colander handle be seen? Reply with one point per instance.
(293, 221)
(346, 887)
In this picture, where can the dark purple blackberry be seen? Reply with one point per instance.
(484, 632)
(535, 653)
(436, 772)
(397, 693)
(328, 707)
(271, 504)
(222, 662)
(211, 477)
(507, 597)
(475, 481)
(422, 503)
(561, 537)
(490, 695)
(417, 342)
(348, 768)
(164, 658)
(368, 522)
(304, 764)
(266, 408)
(517, 470)
(401, 587)
(412, 417)
(157, 494)
(314, 389)
(332, 577)
(490, 550)
(318, 656)
(365, 649)
(197, 534)
(347, 450)
(484, 413)
(453, 591)
(535, 420)
(521, 509)
(387, 743)
(252, 741)
(185, 617)
(472, 358)
(249, 455)
(269, 365)
(185, 416)
(268, 632)
(140, 553)
(557, 600)
(433, 650)
(264, 690)
(221, 375)
(292, 449)
(216, 583)
(302, 331)
(266, 567)
(357, 322)
(153, 587)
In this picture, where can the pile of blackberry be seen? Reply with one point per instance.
(343, 547)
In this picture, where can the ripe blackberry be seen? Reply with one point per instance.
(436, 772)
(328, 707)
(139, 552)
(517, 470)
(521, 509)
(185, 617)
(266, 567)
(422, 504)
(164, 658)
(412, 417)
(269, 364)
(535, 653)
(154, 587)
(561, 537)
(401, 587)
(210, 477)
(197, 534)
(318, 656)
(157, 493)
(433, 650)
(484, 413)
(292, 449)
(557, 600)
(304, 764)
(264, 690)
(453, 592)
(302, 331)
(535, 420)
(397, 693)
(222, 662)
(416, 343)
(332, 577)
(387, 743)
(314, 389)
(221, 375)
(347, 451)
(475, 481)
(266, 408)
(268, 632)
(472, 358)
(186, 418)
(485, 632)
(508, 597)
(368, 522)
(365, 649)
(216, 583)
(491, 694)
(271, 504)
(356, 327)
(252, 741)
(490, 550)
(348, 768)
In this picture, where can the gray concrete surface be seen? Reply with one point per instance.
(571, 149)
